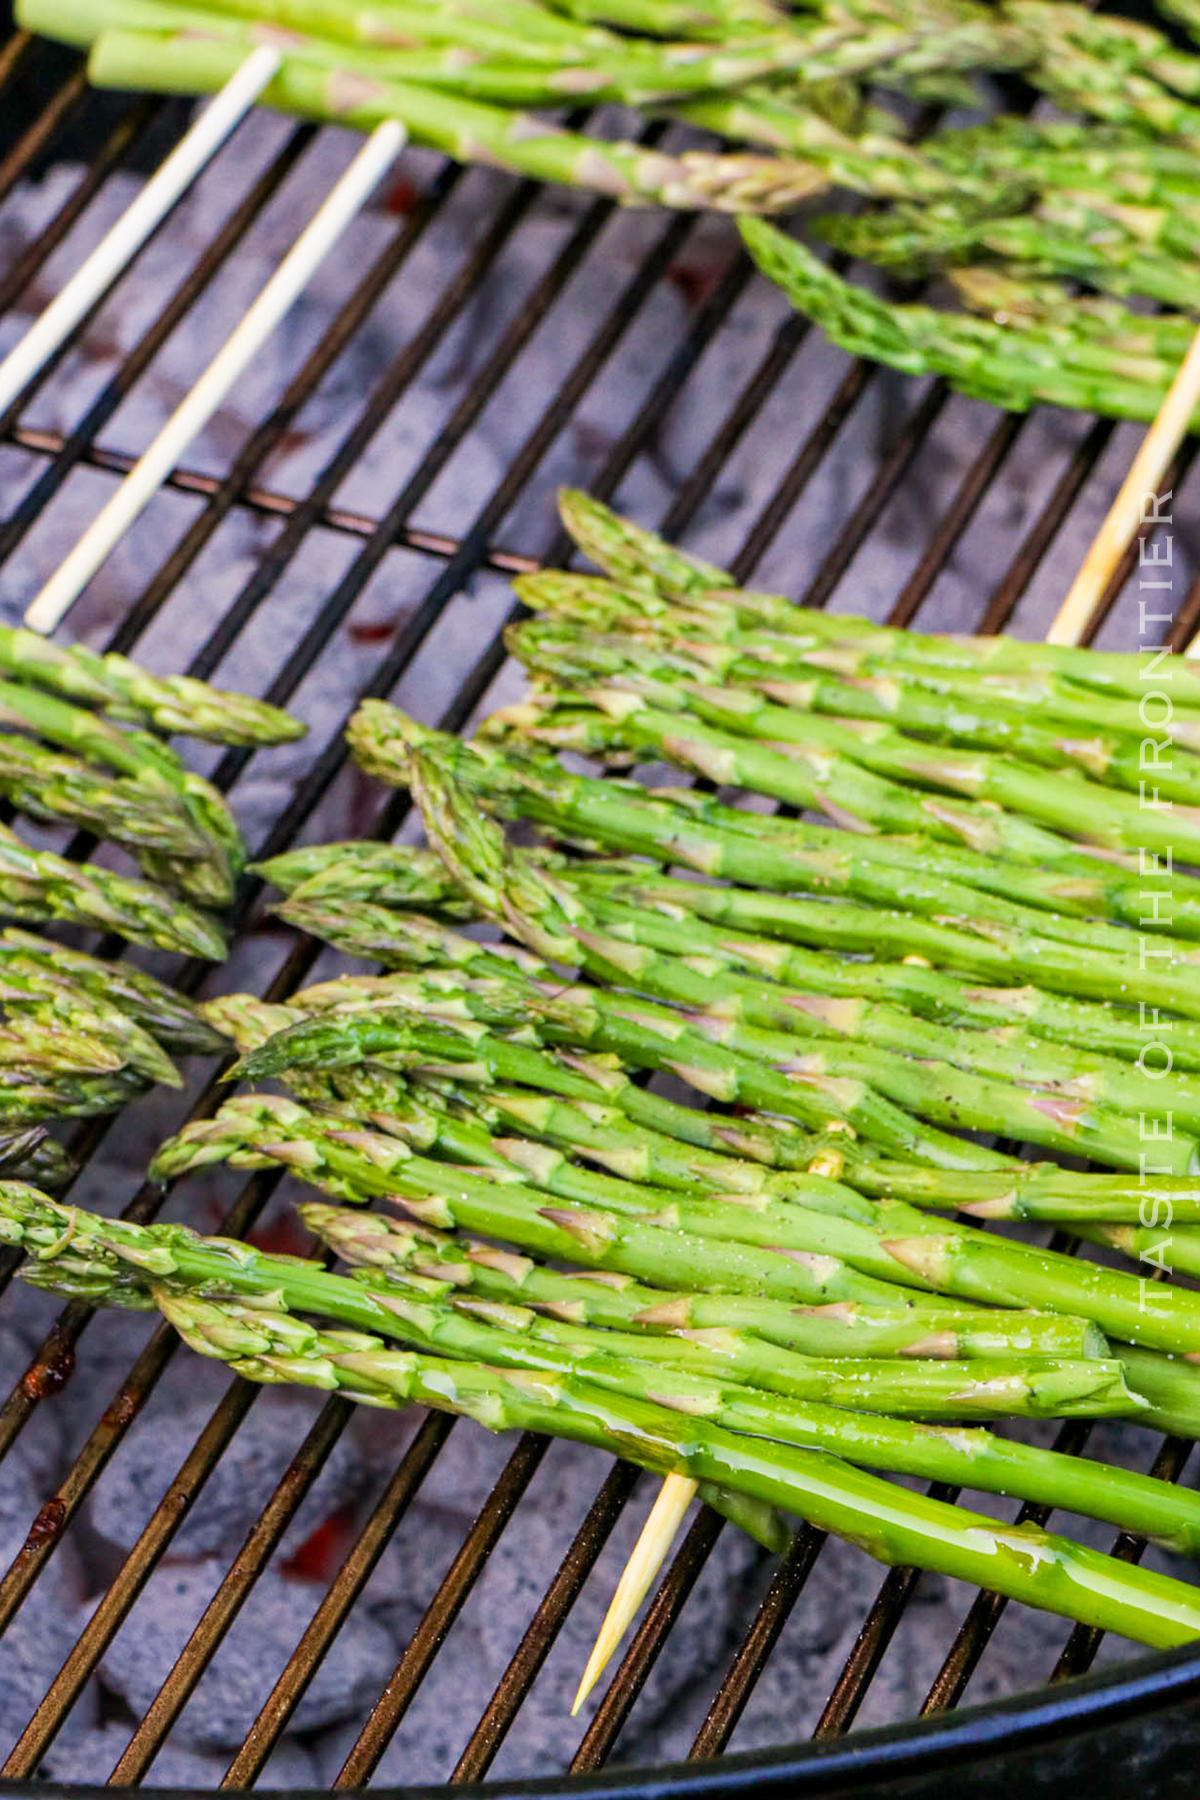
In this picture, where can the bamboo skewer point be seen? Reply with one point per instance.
(658, 1533)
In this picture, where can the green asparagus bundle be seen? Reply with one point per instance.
(843, 682)
(856, 768)
(444, 1117)
(844, 1253)
(920, 876)
(231, 1302)
(1021, 1562)
(37, 886)
(627, 950)
(651, 571)
(114, 685)
(1012, 369)
(206, 870)
(75, 1252)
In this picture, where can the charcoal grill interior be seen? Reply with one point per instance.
(345, 528)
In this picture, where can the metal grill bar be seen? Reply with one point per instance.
(456, 553)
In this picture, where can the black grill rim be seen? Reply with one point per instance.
(1094, 1727)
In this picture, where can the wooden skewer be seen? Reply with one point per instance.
(1126, 514)
(194, 412)
(658, 1533)
(1117, 532)
(119, 245)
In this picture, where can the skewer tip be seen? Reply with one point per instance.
(650, 1552)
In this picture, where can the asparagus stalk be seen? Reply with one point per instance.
(33, 964)
(78, 1251)
(640, 558)
(918, 876)
(844, 1332)
(1059, 1575)
(258, 1130)
(37, 886)
(122, 689)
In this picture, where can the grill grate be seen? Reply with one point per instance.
(814, 398)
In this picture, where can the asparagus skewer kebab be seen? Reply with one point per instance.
(332, 899)
(976, 356)
(631, 71)
(49, 786)
(33, 964)
(37, 886)
(920, 876)
(513, 1337)
(114, 685)
(654, 569)
(735, 1325)
(77, 1251)
(209, 874)
(601, 1133)
(918, 703)
(709, 968)
(852, 772)
(1058, 1575)
(509, 888)
(468, 129)
(258, 1130)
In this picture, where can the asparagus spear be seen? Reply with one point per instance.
(257, 1130)
(124, 690)
(76, 1250)
(1058, 1575)
(646, 562)
(36, 886)
(33, 964)
(848, 1332)
(918, 876)
(27, 1154)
